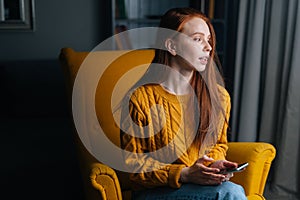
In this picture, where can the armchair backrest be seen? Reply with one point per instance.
(111, 87)
(114, 82)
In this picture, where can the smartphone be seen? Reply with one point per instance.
(238, 169)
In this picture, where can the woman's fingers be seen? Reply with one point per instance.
(211, 176)
(229, 164)
(229, 175)
(207, 169)
(215, 179)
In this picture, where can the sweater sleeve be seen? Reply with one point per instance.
(146, 171)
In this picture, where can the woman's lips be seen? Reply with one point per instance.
(203, 60)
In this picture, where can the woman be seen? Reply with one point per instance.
(175, 131)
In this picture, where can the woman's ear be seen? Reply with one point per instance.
(170, 46)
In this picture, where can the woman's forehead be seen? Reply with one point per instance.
(196, 25)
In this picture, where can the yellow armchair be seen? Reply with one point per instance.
(101, 181)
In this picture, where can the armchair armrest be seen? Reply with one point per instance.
(259, 155)
(105, 180)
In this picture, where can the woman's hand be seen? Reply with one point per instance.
(200, 174)
(224, 164)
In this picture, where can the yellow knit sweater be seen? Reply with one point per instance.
(161, 127)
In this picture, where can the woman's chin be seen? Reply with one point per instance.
(200, 68)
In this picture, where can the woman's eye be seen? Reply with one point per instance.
(198, 39)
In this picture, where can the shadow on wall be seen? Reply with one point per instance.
(37, 152)
(32, 89)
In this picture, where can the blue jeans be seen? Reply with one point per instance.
(225, 191)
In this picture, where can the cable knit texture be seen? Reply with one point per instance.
(160, 120)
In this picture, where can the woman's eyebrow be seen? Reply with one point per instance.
(199, 33)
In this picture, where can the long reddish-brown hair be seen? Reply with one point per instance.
(205, 84)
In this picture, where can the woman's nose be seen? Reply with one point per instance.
(207, 46)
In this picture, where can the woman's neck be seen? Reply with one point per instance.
(178, 81)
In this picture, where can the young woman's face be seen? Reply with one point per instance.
(195, 48)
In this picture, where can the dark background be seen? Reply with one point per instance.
(38, 158)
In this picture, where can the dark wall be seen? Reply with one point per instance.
(29, 68)
(37, 151)
(76, 23)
